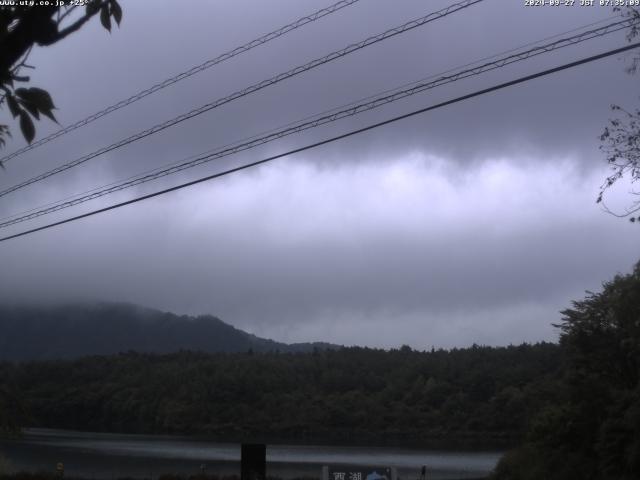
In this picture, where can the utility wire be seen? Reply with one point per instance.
(248, 90)
(188, 73)
(271, 130)
(353, 109)
(332, 139)
(275, 134)
(334, 109)
(58, 203)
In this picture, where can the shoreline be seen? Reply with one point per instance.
(464, 443)
(44, 475)
(111, 456)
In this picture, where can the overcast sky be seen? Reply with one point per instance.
(472, 223)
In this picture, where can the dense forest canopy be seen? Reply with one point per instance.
(593, 430)
(475, 395)
(574, 407)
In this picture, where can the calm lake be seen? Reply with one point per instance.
(106, 456)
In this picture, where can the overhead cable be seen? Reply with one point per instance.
(477, 93)
(251, 89)
(186, 74)
(321, 120)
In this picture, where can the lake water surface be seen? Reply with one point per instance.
(107, 456)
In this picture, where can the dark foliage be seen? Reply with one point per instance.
(478, 394)
(23, 26)
(621, 138)
(594, 432)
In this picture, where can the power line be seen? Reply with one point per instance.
(331, 110)
(188, 73)
(332, 139)
(248, 90)
(352, 110)
(334, 109)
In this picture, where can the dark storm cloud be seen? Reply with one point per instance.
(291, 250)
(153, 44)
(471, 223)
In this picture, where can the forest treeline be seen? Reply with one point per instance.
(477, 395)
(573, 407)
(592, 429)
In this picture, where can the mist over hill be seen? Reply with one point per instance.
(73, 330)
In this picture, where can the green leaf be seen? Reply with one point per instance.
(14, 108)
(116, 11)
(33, 110)
(37, 100)
(92, 7)
(39, 97)
(26, 125)
(104, 17)
(22, 93)
(49, 114)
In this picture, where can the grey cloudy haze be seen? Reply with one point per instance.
(472, 223)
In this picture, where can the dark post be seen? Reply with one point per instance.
(253, 461)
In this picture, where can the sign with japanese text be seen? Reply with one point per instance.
(358, 472)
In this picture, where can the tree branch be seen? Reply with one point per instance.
(75, 25)
(69, 10)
